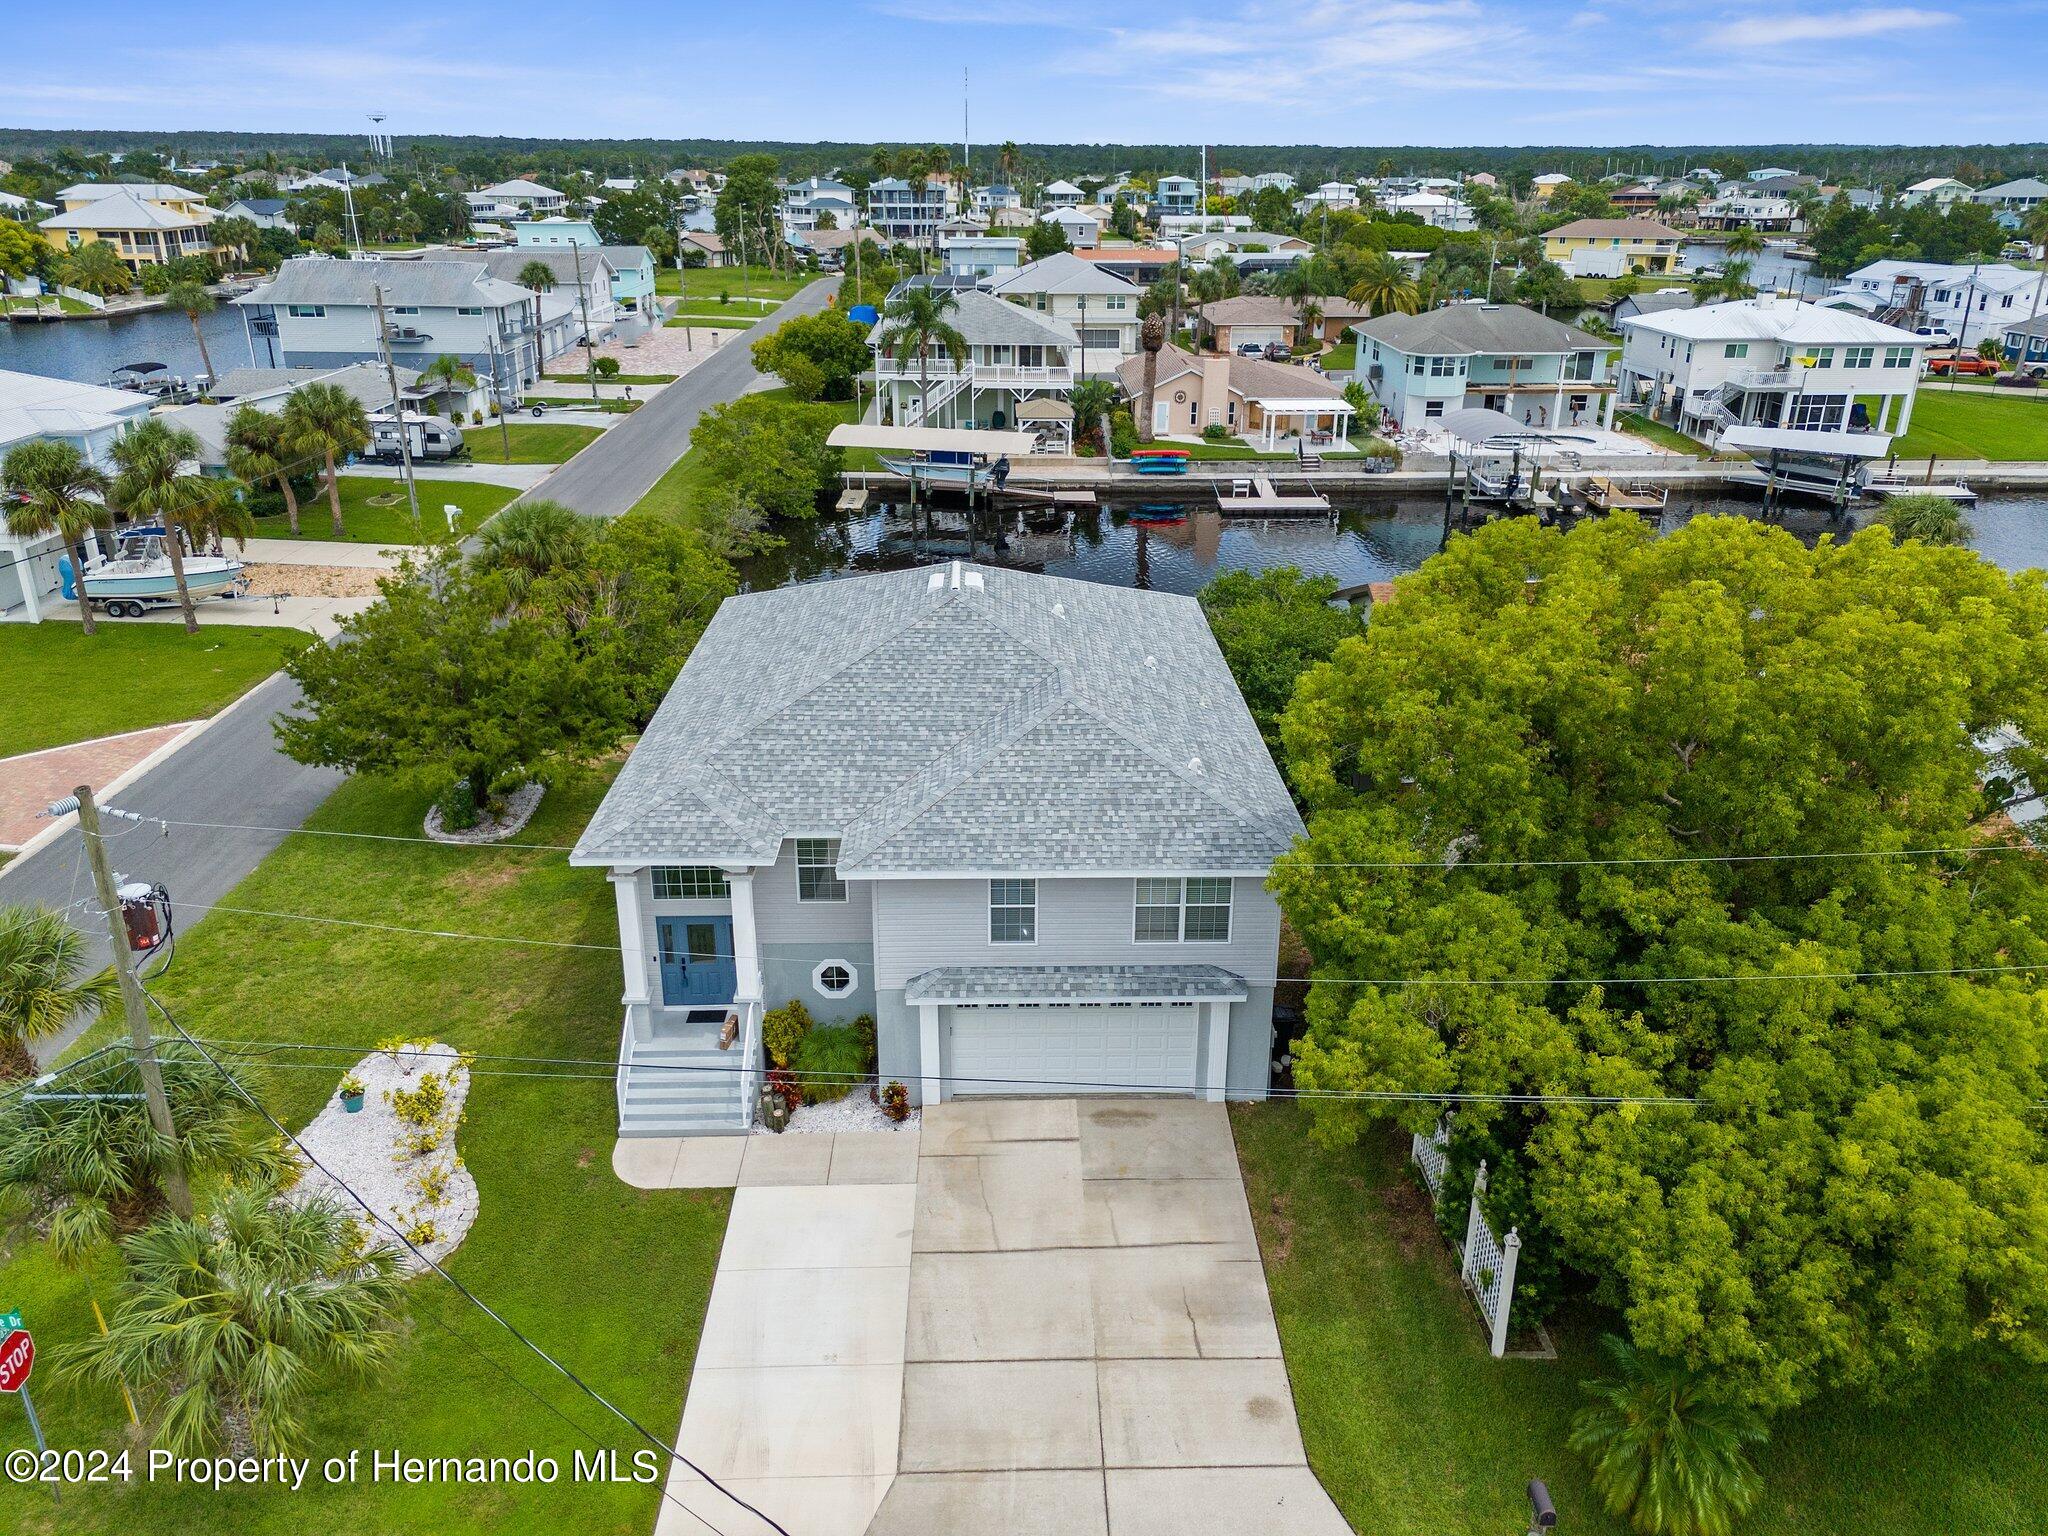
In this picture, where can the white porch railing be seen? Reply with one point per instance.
(750, 1054)
(1765, 378)
(982, 375)
(625, 1064)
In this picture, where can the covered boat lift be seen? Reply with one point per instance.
(1830, 465)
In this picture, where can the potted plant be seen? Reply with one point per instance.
(896, 1102)
(352, 1094)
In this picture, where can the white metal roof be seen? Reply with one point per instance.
(853, 434)
(1848, 445)
(1771, 320)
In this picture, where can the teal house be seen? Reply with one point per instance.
(1498, 357)
(632, 265)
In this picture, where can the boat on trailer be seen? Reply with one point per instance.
(939, 458)
(139, 576)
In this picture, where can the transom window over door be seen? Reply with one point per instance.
(817, 870)
(1172, 910)
(689, 882)
(1013, 911)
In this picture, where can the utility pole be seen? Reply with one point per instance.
(412, 494)
(134, 1004)
(583, 299)
(498, 388)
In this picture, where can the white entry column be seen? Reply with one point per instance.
(746, 944)
(931, 1084)
(632, 934)
(1219, 1052)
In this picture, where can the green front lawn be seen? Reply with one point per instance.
(687, 481)
(1341, 358)
(735, 313)
(375, 510)
(50, 302)
(1416, 1431)
(709, 282)
(1957, 424)
(64, 685)
(617, 378)
(1638, 425)
(533, 442)
(611, 1280)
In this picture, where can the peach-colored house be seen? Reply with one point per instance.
(1248, 397)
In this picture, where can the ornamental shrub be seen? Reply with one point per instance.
(783, 1030)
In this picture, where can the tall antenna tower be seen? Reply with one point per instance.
(966, 142)
(380, 142)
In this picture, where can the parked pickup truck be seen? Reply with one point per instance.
(1969, 365)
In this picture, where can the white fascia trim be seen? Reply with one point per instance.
(1159, 871)
(1032, 999)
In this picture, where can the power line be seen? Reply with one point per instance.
(467, 1294)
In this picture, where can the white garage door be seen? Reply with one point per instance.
(1071, 1047)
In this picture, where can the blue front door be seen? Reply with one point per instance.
(696, 960)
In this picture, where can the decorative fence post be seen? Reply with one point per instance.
(1473, 1222)
(1504, 1290)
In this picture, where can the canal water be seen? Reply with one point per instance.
(88, 350)
(1182, 549)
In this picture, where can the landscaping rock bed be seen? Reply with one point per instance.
(422, 1189)
(855, 1112)
(513, 814)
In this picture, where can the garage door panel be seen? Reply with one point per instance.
(1072, 1048)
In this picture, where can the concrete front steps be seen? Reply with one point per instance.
(685, 1087)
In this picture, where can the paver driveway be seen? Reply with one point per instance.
(1060, 1329)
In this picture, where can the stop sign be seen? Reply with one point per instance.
(17, 1359)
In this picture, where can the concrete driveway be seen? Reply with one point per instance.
(1084, 1347)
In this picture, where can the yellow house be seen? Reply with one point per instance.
(1543, 188)
(1610, 247)
(146, 223)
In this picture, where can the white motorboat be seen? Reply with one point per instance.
(139, 575)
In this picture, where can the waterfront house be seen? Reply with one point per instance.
(263, 212)
(1272, 405)
(1761, 211)
(517, 194)
(1944, 192)
(1013, 355)
(1436, 209)
(1062, 194)
(1960, 301)
(145, 223)
(713, 247)
(1101, 307)
(1021, 822)
(899, 210)
(318, 313)
(92, 419)
(632, 266)
(1769, 361)
(1175, 196)
(1630, 305)
(2019, 197)
(1610, 247)
(1497, 357)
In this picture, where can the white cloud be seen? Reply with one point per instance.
(1827, 27)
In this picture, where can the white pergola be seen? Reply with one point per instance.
(1307, 413)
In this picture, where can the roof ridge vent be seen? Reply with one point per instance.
(972, 580)
(936, 582)
(954, 582)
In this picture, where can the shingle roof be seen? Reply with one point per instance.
(1061, 272)
(1476, 328)
(987, 321)
(1267, 309)
(429, 284)
(623, 257)
(1034, 724)
(507, 263)
(1249, 377)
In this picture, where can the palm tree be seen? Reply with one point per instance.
(1384, 286)
(1093, 400)
(58, 492)
(94, 268)
(1745, 241)
(539, 278)
(1735, 283)
(451, 373)
(1930, 519)
(258, 451)
(1308, 318)
(229, 1323)
(1152, 337)
(915, 321)
(234, 234)
(96, 1164)
(530, 539)
(43, 985)
(151, 481)
(1673, 1460)
(195, 301)
(326, 421)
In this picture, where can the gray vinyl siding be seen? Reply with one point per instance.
(781, 919)
(919, 924)
(789, 971)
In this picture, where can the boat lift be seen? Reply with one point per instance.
(1829, 466)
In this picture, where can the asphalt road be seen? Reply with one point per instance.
(232, 773)
(614, 472)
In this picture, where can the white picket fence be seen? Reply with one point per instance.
(1486, 1262)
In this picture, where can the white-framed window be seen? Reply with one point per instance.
(1858, 357)
(1898, 357)
(817, 870)
(1736, 349)
(1013, 911)
(835, 978)
(1432, 407)
(1443, 367)
(689, 882)
(306, 311)
(1823, 357)
(470, 309)
(1172, 910)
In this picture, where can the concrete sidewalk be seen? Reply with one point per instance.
(520, 477)
(360, 557)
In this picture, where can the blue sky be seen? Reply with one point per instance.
(1247, 71)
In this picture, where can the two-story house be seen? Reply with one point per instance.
(1014, 355)
(1439, 210)
(803, 202)
(1767, 213)
(1022, 822)
(980, 255)
(1498, 357)
(1101, 307)
(1062, 194)
(632, 266)
(1175, 195)
(583, 282)
(912, 212)
(1951, 300)
(1770, 362)
(1610, 247)
(519, 195)
(144, 223)
(322, 314)
(1944, 192)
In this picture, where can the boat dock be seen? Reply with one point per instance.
(1257, 496)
